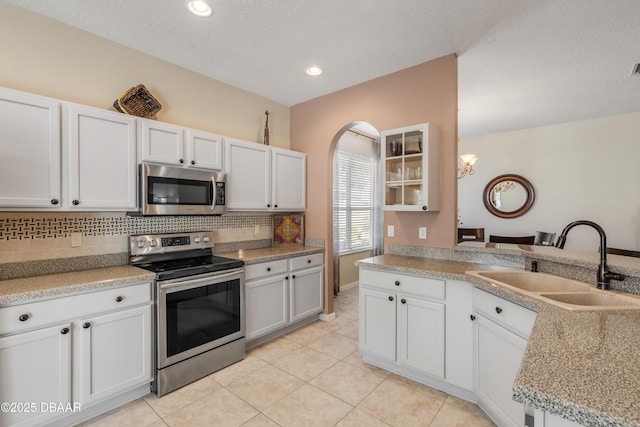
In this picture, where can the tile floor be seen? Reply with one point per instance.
(313, 376)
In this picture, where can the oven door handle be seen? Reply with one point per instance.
(209, 279)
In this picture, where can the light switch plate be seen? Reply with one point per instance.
(390, 231)
(422, 232)
(76, 240)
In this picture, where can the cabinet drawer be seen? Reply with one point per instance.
(512, 316)
(305, 261)
(423, 286)
(265, 269)
(60, 309)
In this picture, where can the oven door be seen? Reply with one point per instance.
(199, 313)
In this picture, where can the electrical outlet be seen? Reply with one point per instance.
(76, 240)
(390, 231)
(422, 232)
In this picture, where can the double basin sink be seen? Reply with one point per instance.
(566, 293)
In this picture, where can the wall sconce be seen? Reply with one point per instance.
(466, 168)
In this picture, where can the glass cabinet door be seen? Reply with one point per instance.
(406, 153)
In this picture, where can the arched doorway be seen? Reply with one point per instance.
(357, 213)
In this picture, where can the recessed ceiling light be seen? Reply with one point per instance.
(314, 71)
(199, 7)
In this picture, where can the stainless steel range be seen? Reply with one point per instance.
(199, 306)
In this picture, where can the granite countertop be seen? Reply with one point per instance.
(273, 253)
(581, 366)
(30, 289)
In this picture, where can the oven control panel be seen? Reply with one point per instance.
(146, 244)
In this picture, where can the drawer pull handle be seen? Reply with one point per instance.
(472, 317)
(390, 298)
(397, 283)
(119, 299)
(498, 310)
(86, 325)
(403, 301)
(24, 317)
(64, 331)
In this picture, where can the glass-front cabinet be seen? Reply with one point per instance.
(411, 158)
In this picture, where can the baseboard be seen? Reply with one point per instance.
(327, 317)
(349, 286)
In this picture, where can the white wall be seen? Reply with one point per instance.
(580, 170)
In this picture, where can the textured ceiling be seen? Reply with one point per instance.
(522, 63)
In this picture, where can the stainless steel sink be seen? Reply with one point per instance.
(566, 293)
(532, 282)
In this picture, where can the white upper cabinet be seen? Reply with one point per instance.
(175, 145)
(204, 150)
(411, 157)
(102, 159)
(288, 185)
(29, 151)
(162, 142)
(260, 177)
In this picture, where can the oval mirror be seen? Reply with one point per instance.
(508, 196)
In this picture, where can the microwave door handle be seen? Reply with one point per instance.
(214, 190)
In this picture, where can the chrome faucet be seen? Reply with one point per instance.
(605, 276)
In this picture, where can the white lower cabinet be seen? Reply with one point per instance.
(281, 293)
(501, 333)
(35, 368)
(402, 321)
(61, 359)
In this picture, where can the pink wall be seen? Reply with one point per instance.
(423, 93)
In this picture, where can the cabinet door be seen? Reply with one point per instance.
(113, 353)
(29, 151)
(378, 323)
(421, 335)
(204, 150)
(35, 367)
(102, 159)
(306, 290)
(248, 175)
(266, 305)
(162, 142)
(498, 355)
(459, 335)
(288, 180)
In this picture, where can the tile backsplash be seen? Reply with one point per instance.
(29, 236)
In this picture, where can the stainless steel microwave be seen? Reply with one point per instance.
(172, 190)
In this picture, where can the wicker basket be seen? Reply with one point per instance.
(137, 101)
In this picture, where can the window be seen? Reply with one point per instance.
(353, 201)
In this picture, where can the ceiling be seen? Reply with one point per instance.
(522, 63)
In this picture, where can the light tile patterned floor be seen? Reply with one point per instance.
(314, 376)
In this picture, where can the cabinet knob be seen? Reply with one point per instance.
(269, 205)
(397, 283)
(424, 208)
(268, 268)
(472, 317)
(308, 261)
(193, 162)
(275, 206)
(390, 298)
(54, 201)
(86, 325)
(119, 298)
(24, 317)
(498, 310)
(286, 277)
(64, 331)
(403, 301)
(181, 160)
(293, 276)
(76, 202)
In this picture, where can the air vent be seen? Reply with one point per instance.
(636, 70)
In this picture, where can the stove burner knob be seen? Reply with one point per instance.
(153, 243)
(205, 239)
(141, 243)
(196, 240)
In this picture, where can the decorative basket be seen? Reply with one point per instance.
(137, 101)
